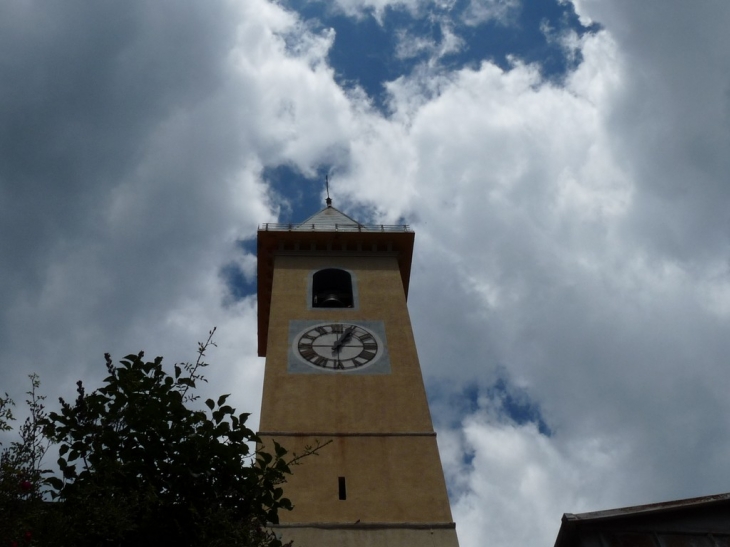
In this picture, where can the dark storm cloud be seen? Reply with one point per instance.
(82, 86)
(133, 140)
(674, 120)
(571, 247)
(108, 146)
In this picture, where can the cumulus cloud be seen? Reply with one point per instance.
(572, 235)
(133, 150)
(533, 479)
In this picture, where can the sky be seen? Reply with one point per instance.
(564, 164)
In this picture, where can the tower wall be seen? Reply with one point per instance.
(313, 536)
(382, 439)
(388, 403)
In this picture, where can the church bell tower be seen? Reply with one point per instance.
(341, 366)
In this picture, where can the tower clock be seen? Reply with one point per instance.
(341, 366)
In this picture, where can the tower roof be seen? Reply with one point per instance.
(329, 218)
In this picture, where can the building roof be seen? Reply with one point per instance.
(677, 522)
(331, 219)
(328, 217)
(653, 508)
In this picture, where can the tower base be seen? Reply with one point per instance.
(369, 535)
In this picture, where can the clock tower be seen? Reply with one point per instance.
(341, 366)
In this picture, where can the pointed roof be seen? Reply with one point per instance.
(329, 219)
(333, 220)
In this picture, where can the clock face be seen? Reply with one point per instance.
(338, 346)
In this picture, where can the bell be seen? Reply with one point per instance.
(330, 300)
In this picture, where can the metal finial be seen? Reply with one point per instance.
(328, 201)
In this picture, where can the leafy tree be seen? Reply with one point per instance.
(140, 465)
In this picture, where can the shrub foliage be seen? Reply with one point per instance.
(140, 462)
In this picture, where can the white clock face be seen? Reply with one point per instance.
(338, 346)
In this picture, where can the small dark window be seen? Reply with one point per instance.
(343, 488)
(331, 288)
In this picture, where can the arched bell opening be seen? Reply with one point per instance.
(332, 288)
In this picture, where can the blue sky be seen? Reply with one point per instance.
(563, 164)
(366, 50)
(365, 54)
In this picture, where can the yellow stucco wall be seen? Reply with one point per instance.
(389, 479)
(305, 402)
(380, 425)
(314, 537)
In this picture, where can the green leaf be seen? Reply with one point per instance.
(222, 399)
(210, 404)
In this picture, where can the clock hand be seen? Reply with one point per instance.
(344, 338)
(336, 353)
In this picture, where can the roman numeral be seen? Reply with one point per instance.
(307, 353)
(337, 328)
(321, 330)
(365, 354)
(370, 346)
(321, 361)
(366, 338)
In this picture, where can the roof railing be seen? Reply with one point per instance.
(333, 227)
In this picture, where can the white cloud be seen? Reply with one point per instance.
(475, 13)
(517, 484)
(410, 45)
(572, 237)
(481, 11)
(125, 227)
(377, 8)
